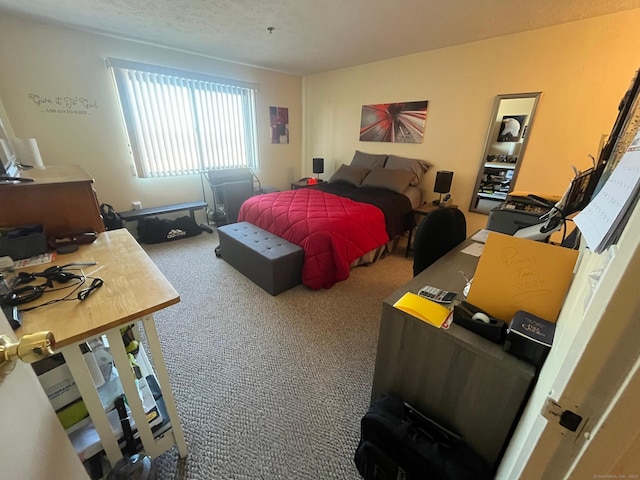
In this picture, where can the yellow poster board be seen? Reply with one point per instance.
(519, 274)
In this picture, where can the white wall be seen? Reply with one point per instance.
(52, 62)
(582, 69)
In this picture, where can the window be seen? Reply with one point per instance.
(182, 123)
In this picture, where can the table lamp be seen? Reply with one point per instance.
(443, 183)
(318, 167)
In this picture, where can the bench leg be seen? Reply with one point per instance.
(192, 212)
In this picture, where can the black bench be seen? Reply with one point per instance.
(269, 261)
(177, 207)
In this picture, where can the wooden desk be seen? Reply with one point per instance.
(459, 378)
(133, 289)
(61, 198)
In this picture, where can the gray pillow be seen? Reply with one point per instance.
(389, 179)
(417, 167)
(349, 174)
(368, 160)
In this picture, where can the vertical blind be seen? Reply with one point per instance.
(182, 123)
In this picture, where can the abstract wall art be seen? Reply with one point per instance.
(393, 122)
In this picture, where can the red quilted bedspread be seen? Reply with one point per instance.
(333, 231)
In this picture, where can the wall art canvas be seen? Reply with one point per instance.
(512, 128)
(393, 122)
(279, 117)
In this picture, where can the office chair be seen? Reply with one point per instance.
(438, 233)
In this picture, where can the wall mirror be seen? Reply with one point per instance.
(509, 130)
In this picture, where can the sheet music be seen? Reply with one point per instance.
(603, 219)
(481, 236)
(474, 249)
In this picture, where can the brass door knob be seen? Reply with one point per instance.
(29, 348)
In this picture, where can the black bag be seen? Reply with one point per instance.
(110, 217)
(156, 230)
(397, 441)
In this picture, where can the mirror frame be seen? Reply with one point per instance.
(491, 139)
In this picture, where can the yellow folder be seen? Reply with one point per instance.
(424, 309)
(520, 274)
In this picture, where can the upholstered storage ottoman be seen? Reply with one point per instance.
(269, 261)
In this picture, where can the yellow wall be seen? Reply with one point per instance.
(582, 69)
(55, 62)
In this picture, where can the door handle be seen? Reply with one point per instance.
(29, 348)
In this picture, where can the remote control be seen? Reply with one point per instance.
(437, 294)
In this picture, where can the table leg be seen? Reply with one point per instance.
(127, 379)
(163, 379)
(406, 253)
(81, 375)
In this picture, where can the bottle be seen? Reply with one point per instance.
(92, 364)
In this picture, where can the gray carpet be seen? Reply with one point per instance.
(268, 387)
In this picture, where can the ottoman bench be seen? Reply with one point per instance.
(269, 261)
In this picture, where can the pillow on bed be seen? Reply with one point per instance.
(395, 180)
(368, 160)
(350, 174)
(417, 167)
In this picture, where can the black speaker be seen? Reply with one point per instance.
(318, 165)
(443, 181)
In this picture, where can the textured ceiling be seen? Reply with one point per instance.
(310, 36)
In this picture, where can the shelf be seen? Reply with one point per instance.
(84, 437)
(496, 196)
(507, 166)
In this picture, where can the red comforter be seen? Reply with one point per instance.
(333, 231)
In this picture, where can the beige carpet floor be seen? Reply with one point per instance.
(268, 387)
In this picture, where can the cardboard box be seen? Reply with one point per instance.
(529, 337)
(57, 381)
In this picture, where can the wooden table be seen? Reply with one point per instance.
(133, 289)
(461, 379)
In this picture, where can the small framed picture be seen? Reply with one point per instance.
(512, 128)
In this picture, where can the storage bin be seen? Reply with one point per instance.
(23, 242)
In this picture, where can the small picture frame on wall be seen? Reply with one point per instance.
(512, 128)
(279, 118)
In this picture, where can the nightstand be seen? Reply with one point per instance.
(302, 183)
(422, 211)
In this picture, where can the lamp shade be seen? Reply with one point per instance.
(318, 165)
(443, 181)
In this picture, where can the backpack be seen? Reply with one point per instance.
(110, 217)
(399, 442)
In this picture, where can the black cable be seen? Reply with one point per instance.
(81, 295)
(63, 299)
(95, 284)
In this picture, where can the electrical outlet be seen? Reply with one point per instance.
(136, 205)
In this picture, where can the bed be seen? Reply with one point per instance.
(350, 219)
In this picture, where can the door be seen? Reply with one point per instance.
(592, 370)
(33, 444)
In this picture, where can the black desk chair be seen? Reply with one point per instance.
(437, 234)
